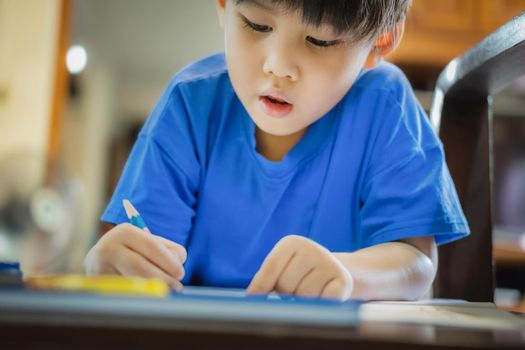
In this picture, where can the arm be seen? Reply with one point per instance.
(396, 270)
(161, 176)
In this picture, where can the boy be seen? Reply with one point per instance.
(296, 162)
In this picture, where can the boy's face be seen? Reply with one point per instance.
(286, 73)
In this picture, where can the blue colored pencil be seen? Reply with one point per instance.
(133, 215)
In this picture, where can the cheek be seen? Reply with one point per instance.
(241, 55)
(238, 40)
(329, 87)
(342, 76)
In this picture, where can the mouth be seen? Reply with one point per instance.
(275, 106)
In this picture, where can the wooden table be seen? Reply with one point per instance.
(88, 325)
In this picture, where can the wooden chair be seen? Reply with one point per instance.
(462, 115)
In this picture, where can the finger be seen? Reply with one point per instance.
(335, 289)
(129, 263)
(312, 284)
(97, 262)
(154, 251)
(174, 247)
(296, 269)
(102, 269)
(265, 279)
(109, 270)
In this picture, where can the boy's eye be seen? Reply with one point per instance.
(261, 28)
(322, 43)
(256, 27)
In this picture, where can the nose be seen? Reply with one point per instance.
(280, 63)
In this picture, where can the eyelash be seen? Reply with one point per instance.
(255, 27)
(322, 44)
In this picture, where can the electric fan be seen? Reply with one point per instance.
(36, 216)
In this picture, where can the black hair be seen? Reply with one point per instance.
(363, 19)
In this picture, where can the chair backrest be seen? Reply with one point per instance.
(461, 113)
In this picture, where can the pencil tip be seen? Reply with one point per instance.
(130, 210)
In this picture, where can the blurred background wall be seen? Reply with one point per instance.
(28, 50)
(134, 47)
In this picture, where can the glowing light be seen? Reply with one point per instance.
(451, 70)
(522, 242)
(76, 59)
(435, 110)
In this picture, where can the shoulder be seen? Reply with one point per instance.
(203, 79)
(383, 97)
(387, 81)
(193, 94)
(386, 109)
(203, 83)
(384, 76)
(205, 69)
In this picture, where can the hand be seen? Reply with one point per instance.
(300, 266)
(129, 251)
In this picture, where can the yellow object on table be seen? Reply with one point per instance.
(104, 284)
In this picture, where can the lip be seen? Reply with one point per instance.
(274, 109)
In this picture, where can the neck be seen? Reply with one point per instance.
(275, 148)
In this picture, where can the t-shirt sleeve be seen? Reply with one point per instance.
(408, 190)
(161, 175)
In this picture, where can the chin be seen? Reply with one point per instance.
(275, 130)
(277, 133)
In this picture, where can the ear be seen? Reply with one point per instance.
(221, 7)
(385, 44)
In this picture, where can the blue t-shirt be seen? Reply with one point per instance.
(370, 171)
